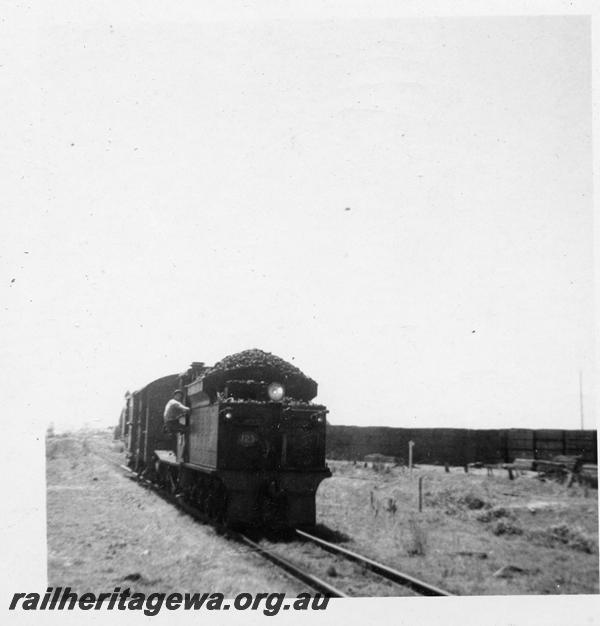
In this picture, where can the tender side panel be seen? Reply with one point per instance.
(204, 435)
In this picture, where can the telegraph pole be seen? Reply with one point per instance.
(581, 398)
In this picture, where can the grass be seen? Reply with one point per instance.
(471, 526)
(105, 531)
(416, 538)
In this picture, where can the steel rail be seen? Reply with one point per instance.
(315, 583)
(420, 587)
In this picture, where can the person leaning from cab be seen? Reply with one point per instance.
(174, 410)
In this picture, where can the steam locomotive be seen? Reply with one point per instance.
(252, 450)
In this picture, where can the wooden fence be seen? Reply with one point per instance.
(457, 446)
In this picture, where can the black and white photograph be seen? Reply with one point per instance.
(299, 313)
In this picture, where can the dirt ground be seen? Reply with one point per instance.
(105, 531)
(476, 535)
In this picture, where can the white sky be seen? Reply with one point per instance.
(195, 180)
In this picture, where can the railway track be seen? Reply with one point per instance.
(314, 582)
(395, 576)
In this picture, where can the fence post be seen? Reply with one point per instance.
(410, 456)
(420, 493)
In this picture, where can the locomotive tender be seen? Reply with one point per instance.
(253, 449)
